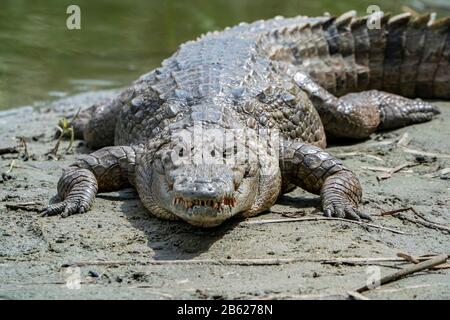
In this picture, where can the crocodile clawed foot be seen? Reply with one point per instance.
(64, 208)
(345, 210)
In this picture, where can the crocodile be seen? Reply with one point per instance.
(238, 117)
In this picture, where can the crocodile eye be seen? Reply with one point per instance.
(213, 153)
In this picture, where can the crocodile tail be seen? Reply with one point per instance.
(433, 78)
(408, 54)
(405, 54)
(416, 49)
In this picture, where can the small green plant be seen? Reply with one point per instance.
(65, 129)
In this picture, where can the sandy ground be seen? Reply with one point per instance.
(35, 252)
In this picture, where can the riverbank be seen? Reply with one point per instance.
(118, 250)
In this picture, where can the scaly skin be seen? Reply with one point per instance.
(236, 118)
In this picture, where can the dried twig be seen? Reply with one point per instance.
(240, 262)
(424, 153)
(23, 144)
(363, 147)
(12, 165)
(244, 262)
(437, 173)
(389, 174)
(26, 206)
(405, 288)
(348, 154)
(267, 221)
(371, 156)
(424, 221)
(351, 154)
(356, 295)
(392, 212)
(291, 296)
(408, 257)
(407, 271)
(382, 169)
(369, 260)
(8, 150)
(416, 260)
(421, 216)
(404, 140)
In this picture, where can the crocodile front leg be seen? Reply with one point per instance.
(318, 172)
(107, 169)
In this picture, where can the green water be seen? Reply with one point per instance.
(40, 59)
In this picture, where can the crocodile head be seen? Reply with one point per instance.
(200, 183)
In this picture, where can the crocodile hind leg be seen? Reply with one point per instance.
(357, 115)
(96, 125)
(107, 169)
(79, 123)
(318, 172)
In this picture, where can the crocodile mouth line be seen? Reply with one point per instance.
(224, 202)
